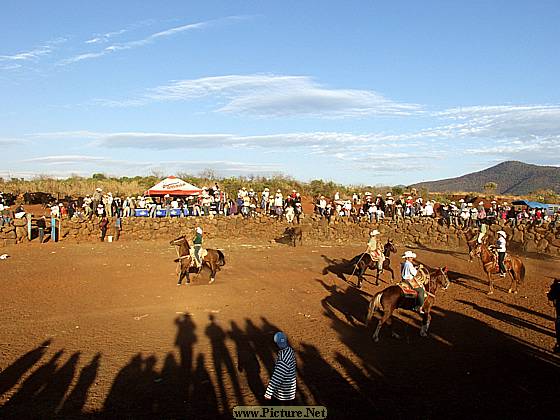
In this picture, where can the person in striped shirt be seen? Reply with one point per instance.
(282, 384)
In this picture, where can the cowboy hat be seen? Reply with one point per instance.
(388, 194)
(199, 230)
(480, 203)
(461, 201)
(99, 189)
(374, 232)
(502, 233)
(409, 254)
(470, 204)
(493, 202)
(409, 197)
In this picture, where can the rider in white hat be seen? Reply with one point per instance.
(375, 249)
(501, 249)
(408, 272)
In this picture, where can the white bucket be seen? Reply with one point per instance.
(109, 239)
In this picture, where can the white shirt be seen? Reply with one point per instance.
(408, 271)
(501, 244)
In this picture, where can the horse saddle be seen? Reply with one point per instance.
(408, 291)
(194, 263)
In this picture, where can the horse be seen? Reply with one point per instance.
(514, 267)
(214, 259)
(294, 234)
(393, 297)
(364, 261)
(471, 237)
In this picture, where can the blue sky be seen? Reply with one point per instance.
(358, 92)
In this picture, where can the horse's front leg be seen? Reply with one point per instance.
(426, 318)
(490, 283)
(212, 274)
(513, 285)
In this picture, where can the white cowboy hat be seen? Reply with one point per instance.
(461, 201)
(374, 232)
(199, 230)
(409, 197)
(470, 204)
(453, 202)
(502, 233)
(278, 191)
(367, 193)
(379, 195)
(480, 203)
(493, 202)
(409, 254)
(505, 202)
(98, 189)
(388, 194)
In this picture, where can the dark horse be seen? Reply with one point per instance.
(213, 260)
(393, 297)
(294, 234)
(514, 267)
(364, 261)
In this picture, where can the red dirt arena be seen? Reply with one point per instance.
(102, 331)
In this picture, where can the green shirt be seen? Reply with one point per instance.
(198, 239)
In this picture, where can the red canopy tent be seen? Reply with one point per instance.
(173, 186)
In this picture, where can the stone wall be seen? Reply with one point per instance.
(422, 232)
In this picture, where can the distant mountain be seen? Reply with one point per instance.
(512, 177)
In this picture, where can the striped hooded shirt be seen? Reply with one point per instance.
(282, 385)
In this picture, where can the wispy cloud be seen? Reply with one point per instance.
(122, 46)
(33, 54)
(269, 95)
(65, 165)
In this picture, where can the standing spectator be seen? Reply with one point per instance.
(103, 226)
(96, 197)
(282, 385)
(54, 225)
(278, 203)
(322, 205)
(264, 200)
(298, 210)
(118, 226)
(41, 226)
(481, 218)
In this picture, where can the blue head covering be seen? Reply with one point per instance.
(281, 340)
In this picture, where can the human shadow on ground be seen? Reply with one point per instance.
(464, 369)
(509, 319)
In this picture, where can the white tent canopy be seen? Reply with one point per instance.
(174, 186)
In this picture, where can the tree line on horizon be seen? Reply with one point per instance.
(76, 186)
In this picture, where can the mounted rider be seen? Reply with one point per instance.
(197, 242)
(501, 250)
(375, 249)
(409, 274)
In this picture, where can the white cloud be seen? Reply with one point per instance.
(268, 95)
(137, 43)
(66, 165)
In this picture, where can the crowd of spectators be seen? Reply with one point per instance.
(278, 205)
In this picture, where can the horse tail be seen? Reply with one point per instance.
(221, 258)
(374, 306)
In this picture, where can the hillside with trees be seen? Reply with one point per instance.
(511, 177)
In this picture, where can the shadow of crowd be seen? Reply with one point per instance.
(465, 369)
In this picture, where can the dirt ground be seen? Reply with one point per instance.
(101, 330)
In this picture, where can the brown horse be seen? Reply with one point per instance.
(364, 261)
(214, 259)
(471, 237)
(514, 267)
(393, 297)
